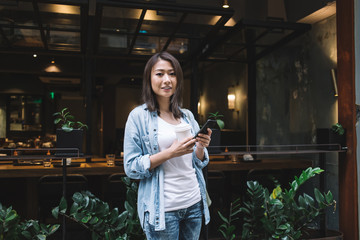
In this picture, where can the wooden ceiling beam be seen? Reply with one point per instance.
(172, 35)
(136, 33)
(39, 21)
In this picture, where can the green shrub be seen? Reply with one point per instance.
(281, 214)
(103, 222)
(12, 228)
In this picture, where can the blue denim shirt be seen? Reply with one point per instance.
(140, 142)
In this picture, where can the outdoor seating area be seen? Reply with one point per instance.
(275, 79)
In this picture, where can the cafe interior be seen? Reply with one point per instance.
(278, 71)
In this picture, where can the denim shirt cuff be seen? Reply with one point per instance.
(147, 164)
(201, 163)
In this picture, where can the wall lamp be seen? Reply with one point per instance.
(225, 4)
(334, 81)
(231, 98)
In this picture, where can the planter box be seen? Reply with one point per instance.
(73, 139)
(328, 136)
(330, 235)
(214, 146)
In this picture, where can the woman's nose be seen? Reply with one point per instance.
(166, 78)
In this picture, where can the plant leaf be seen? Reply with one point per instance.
(62, 205)
(55, 212)
(74, 208)
(329, 197)
(223, 218)
(318, 196)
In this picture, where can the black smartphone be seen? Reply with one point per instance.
(210, 123)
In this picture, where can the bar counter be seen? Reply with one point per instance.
(21, 182)
(98, 166)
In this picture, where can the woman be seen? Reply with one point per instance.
(172, 191)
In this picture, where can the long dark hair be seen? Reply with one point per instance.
(148, 94)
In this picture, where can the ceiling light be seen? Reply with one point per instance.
(52, 67)
(225, 4)
(60, 8)
(182, 49)
(34, 55)
(321, 14)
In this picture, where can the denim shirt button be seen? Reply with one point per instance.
(154, 148)
(154, 129)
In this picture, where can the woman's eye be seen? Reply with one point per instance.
(159, 74)
(172, 74)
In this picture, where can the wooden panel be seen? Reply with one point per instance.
(348, 189)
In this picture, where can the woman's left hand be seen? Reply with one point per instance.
(203, 140)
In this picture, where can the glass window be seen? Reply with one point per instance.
(25, 113)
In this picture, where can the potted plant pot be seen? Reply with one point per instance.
(73, 139)
(214, 146)
(330, 235)
(70, 135)
(328, 136)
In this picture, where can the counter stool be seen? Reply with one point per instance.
(217, 189)
(50, 190)
(115, 191)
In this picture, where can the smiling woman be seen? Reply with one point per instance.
(170, 170)
(163, 79)
(154, 71)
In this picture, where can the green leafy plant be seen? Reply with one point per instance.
(12, 228)
(66, 121)
(338, 128)
(216, 116)
(282, 214)
(103, 222)
(227, 229)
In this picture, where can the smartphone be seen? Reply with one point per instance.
(210, 123)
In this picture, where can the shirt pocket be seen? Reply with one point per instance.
(146, 144)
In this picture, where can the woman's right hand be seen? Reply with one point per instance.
(181, 148)
(175, 150)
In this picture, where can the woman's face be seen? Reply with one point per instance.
(163, 79)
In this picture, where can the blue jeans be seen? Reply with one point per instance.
(183, 224)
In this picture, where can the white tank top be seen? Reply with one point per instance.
(181, 188)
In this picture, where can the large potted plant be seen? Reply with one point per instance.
(280, 213)
(70, 133)
(214, 146)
